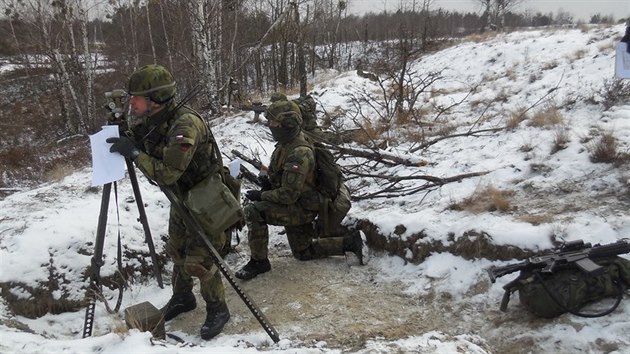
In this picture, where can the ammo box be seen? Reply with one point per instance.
(146, 318)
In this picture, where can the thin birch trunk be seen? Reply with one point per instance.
(150, 34)
(88, 69)
(65, 80)
(168, 45)
(134, 45)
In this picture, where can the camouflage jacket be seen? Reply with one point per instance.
(176, 152)
(291, 171)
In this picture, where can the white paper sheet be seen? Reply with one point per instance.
(106, 166)
(622, 61)
(235, 167)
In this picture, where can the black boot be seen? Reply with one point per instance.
(178, 304)
(253, 268)
(353, 243)
(216, 318)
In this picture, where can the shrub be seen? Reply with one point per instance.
(560, 141)
(485, 199)
(546, 117)
(604, 150)
(615, 91)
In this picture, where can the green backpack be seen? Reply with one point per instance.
(329, 182)
(308, 108)
(549, 295)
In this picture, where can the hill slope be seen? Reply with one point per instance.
(538, 106)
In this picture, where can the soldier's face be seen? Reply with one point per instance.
(274, 124)
(142, 106)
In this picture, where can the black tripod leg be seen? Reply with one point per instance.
(97, 261)
(143, 219)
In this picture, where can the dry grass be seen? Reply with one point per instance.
(604, 150)
(481, 37)
(444, 129)
(512, 72)
(485, 199)
(526, 148)
(58, 172)
(404, 117)
(579, 54)
(516, 118)
(536, 219)
(550, 65)
(369, 133)
(549, 116)
(560, 141)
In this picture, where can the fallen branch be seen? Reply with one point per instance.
(387, 159)
(391, 192)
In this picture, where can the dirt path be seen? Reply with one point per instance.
(343, 305)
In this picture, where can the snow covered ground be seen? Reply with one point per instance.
(51, 229)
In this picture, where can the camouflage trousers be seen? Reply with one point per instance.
(298, 224)
(191, 258)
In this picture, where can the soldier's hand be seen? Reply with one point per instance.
(123, 146)
(263, 182)
(254, 195)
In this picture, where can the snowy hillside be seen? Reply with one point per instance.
(538, 102)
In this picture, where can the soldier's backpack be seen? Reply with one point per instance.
(308, 110)
(549, 295)
(329, 182)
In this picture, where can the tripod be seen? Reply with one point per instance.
(95, 287)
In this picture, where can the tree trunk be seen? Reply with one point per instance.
(80, 127)
(301, 65)
(87, 69)
(150, 33)
(168, 45)
(134, 45)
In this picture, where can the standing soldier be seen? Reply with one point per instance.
(174, 147)
(291, 199)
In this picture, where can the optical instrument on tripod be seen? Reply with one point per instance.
(117, 106)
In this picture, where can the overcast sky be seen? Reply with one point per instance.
(581, 9)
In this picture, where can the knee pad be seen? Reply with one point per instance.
(197, 267)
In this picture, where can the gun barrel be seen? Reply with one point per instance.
(611, 249)
(497, 272)
(257, 164)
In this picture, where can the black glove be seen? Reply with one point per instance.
(253, 195)
(263, 182)
(124, 146)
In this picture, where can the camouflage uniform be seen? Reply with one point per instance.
(292, 202)
(179, 153)
(174, 147)
(307, 108)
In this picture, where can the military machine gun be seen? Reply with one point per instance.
(571, 254)
(261, 180)
(257, 108)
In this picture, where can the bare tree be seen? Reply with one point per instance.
(495, 11)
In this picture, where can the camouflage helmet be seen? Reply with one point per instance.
(154, 82)
(284, 112)
(278, 96)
